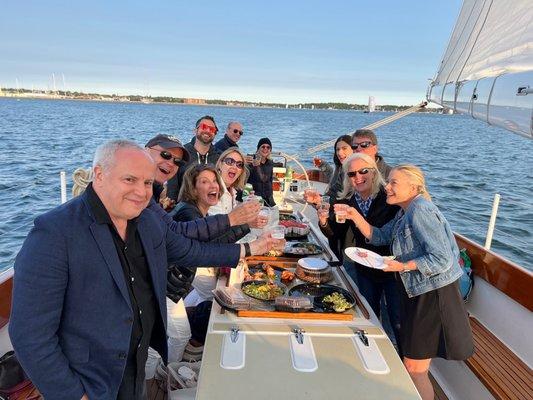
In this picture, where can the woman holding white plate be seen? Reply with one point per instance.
(363, 189)
(433, 317)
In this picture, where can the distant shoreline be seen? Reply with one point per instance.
(103, 98)
(28, 95)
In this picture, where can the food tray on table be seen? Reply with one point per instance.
(294, 306)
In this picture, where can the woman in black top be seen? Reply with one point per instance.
(262, 172)
(363, 189)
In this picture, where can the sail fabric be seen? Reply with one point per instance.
(487, 68)
(490, 38)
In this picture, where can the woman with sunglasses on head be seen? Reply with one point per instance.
(262, 172)
(233, 171)
(364, 190)
(433, 318)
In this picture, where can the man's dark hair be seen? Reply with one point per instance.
(209, 117)
(366, 133)
(344, 138)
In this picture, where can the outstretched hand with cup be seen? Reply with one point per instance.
(244, 213)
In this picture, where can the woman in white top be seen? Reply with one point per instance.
(234, 174)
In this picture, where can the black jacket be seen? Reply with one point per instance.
(379, 214)
(179, 279)
(211, 157)
(224, 144)
(261, 177)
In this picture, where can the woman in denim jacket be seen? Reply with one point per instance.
(433, 318)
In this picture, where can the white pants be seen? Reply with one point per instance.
(205, 281)
(178, 330)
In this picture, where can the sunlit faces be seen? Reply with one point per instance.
(229, 170)
(165, 168)
(265, 150)
(125, 188)
(206, 131)
(399, 189)
(206, 189)
(364, 145)
(343, 151)
(361, 182)
(234, 131)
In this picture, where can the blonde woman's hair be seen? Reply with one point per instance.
(377, 179)
(81, 177)
(416, 177)
(187, 192)
(241, 180)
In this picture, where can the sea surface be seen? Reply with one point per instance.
(466, 162)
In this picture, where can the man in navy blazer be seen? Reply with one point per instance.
(76, 302)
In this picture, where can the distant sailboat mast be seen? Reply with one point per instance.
(371, 104)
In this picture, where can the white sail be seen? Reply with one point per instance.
(371, 104)
(487, 68)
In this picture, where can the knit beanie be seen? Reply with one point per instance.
(263, 141)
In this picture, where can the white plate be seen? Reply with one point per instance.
(372, 260)
(315, 264)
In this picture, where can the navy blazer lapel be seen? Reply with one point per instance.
(105, 242)
(145, 234)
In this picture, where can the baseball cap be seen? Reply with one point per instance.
(168, 142)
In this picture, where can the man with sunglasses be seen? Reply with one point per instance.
(168, 154)
(365, 141)
(231, 137)
(201, 151)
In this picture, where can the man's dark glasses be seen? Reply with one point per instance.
(363, 145)
(362, 171)
(238, 131)
(230, 161)
(167, 156)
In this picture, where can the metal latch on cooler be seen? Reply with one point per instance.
(362, 336)
(299, 333)
(234, 335)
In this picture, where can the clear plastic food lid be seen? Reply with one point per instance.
(313, 263)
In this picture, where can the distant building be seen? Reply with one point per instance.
(194, 101)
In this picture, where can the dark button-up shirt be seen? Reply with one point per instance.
(141, 294)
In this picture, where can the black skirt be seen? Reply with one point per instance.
(435, 324)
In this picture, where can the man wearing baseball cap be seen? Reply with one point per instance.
(169, 154)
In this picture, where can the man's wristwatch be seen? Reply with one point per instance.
(247, 250)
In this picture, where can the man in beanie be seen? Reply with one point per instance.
(168, 154)
(262, 171)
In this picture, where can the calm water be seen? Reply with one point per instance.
(466, 162)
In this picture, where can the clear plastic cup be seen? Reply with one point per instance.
(340, 213)
(278, 232)
(264, 214)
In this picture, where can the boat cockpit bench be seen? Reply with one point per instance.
(497, 367)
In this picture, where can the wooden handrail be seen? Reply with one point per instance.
(506, 276)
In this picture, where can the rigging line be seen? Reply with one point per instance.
(374, 125)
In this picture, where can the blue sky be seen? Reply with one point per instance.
(275, 51)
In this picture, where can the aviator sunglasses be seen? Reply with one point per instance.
(362, 171)
(167, 156)
(238, 131)
(363, 145)
(230, 161)
(205, 127)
